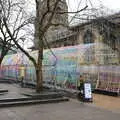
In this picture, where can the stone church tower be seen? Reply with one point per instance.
(57, 19)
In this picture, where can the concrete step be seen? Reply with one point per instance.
(47, 95)
(29, 102)
(33, 96)
(41, 97)
(3, 90)
(105, 92)
(3, 93)
(16, 99)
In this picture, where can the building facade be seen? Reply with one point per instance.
(102, 31)
(58, 21)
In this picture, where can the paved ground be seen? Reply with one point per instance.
(72, 110)
(60, 111)
(14, 91)
(107, 102)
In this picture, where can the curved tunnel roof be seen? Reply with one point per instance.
(78, 50)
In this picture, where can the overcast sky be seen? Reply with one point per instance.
(111, 4)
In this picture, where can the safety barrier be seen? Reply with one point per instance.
(105, 78)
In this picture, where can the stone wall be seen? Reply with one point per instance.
(57, 19)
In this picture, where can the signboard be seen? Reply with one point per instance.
(87, 91)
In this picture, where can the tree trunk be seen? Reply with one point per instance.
(3, 54)
(39, 86)
(119, 56)
(1, 59)
(39, 76)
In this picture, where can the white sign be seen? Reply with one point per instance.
(87, 89)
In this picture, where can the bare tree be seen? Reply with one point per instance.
(13, 15)
(5, 42)
(46, 10)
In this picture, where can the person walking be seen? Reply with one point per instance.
(80, 87)
(22, 75)
(80, 84)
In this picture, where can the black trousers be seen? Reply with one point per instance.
(22, 83)
(81, 87)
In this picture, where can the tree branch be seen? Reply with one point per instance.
(45, 14)
(59, 24)
(51, 17)
(72, 12)
(14, 40)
